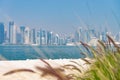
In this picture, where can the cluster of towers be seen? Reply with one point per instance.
(85, 35)
(25, 35)
(39, 37)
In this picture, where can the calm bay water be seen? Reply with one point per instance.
(22, 52)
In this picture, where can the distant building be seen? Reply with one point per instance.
(70, 39)
(49, 38)
(12, 33)
(1, 33)
(43, 37)
(62, 41)
(38, 37)
(103, 36)
(78, 34)
(18, 38)
(22, 32)
(89, 34)
(5, 37)
(33, 36)
(85, 35)
(27, 35)
(56, 39)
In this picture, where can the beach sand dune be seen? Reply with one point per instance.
(6, 66)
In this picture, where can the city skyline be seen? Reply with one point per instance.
(62, 16)
(27, 35)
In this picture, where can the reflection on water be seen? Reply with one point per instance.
(20, 52)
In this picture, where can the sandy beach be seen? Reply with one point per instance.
(6, 66)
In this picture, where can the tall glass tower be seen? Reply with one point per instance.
(12, 33)
(27, 35)
(33, 36)
(22, 31)
(78, 34)
(49, 38)
(1, 33)
(56, 39)
(43, 37)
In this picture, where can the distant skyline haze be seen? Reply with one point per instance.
(62, 16)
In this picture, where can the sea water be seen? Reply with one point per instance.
(23, 52)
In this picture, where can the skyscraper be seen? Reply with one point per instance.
(56, 39)
(43, 37)
(38, 37)
(78, 34)
(49, 38)
(12, 33)
(22, 32)
(27, 35)
(1, 33)
(33, 36)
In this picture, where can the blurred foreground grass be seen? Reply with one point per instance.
(106, 65)
(107, 62)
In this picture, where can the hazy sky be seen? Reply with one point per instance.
(62, 16)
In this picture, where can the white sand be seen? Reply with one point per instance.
(6, 66)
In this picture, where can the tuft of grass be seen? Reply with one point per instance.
(107, 65)
(56, 72)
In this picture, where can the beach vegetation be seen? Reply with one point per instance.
(105, 64)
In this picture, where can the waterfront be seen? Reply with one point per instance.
(23, 52)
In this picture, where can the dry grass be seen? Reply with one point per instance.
(105, 67)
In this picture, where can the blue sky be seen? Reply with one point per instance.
(62, 16)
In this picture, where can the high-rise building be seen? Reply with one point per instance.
(1, 33)
(43, 37)
(33, 36)
(87, 36)
(12, 33)
(92, 33)
(38, 37)
(49, 38)
(5, 37)
(62, 41)
(18, 38)
(78, 34)
(56, 39)
(22, 32)
(27, 35)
